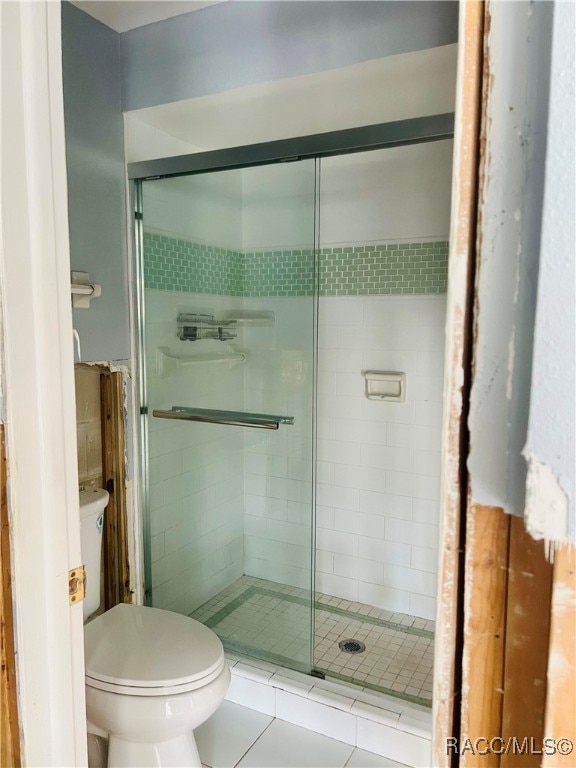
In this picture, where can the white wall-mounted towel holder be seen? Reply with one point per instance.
(83, 291)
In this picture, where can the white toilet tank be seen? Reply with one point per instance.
(92, 504)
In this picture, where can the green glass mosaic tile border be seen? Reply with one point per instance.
(282, 661)
(279, 273)
(408, 268)
(180, 265)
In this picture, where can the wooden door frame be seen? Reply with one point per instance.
(9, 730)
(457, 378)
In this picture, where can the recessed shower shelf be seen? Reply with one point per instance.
(168, 361)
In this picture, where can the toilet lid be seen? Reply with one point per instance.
(141, 647)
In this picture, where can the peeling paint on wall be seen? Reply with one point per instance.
(546, 503)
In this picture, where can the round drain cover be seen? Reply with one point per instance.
(351, 646)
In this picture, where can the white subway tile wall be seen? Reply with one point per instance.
(225, 501)
(379, 462)
(278, 378)
(196, 471)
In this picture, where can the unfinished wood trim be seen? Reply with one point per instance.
(487, 544)
(116, 559)
(505, 657)
(527, 640)
(9, 728)
(560, 719)
(446, 715)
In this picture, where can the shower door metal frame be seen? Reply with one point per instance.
(399, 133)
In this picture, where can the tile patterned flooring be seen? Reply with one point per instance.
(236, 736)
(254, 617)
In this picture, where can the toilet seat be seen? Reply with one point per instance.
(142, 651)
(132, 690)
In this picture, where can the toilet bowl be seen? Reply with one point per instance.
(152, 677)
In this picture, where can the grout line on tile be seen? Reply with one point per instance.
(255, 741)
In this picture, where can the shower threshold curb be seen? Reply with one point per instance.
(390, 727)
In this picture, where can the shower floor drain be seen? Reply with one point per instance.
(351, 646)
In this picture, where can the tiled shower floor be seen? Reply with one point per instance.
(254, 617)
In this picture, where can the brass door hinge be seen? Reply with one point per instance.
(76, 584)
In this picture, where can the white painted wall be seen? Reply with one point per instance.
(278, 206)
(143, 141)
(390, 195)
(387, 195)
(203, 209)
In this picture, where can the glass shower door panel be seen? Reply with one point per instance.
(230, 308)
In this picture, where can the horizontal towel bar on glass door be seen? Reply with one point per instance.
(230, 418)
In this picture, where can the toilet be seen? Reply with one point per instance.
(152, 676)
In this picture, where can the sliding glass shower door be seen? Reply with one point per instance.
(228, 306)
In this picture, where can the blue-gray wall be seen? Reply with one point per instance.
(234, 44)
(518, 52)
(96, 180)
(551, 438)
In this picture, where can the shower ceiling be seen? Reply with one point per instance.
(123, 15)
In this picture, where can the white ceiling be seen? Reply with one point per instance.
(123, 15)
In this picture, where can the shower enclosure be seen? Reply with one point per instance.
(229, 395)
(229, 266)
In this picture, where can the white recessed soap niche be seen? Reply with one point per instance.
(385, 385)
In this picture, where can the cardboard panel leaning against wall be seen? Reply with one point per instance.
(89, 425)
